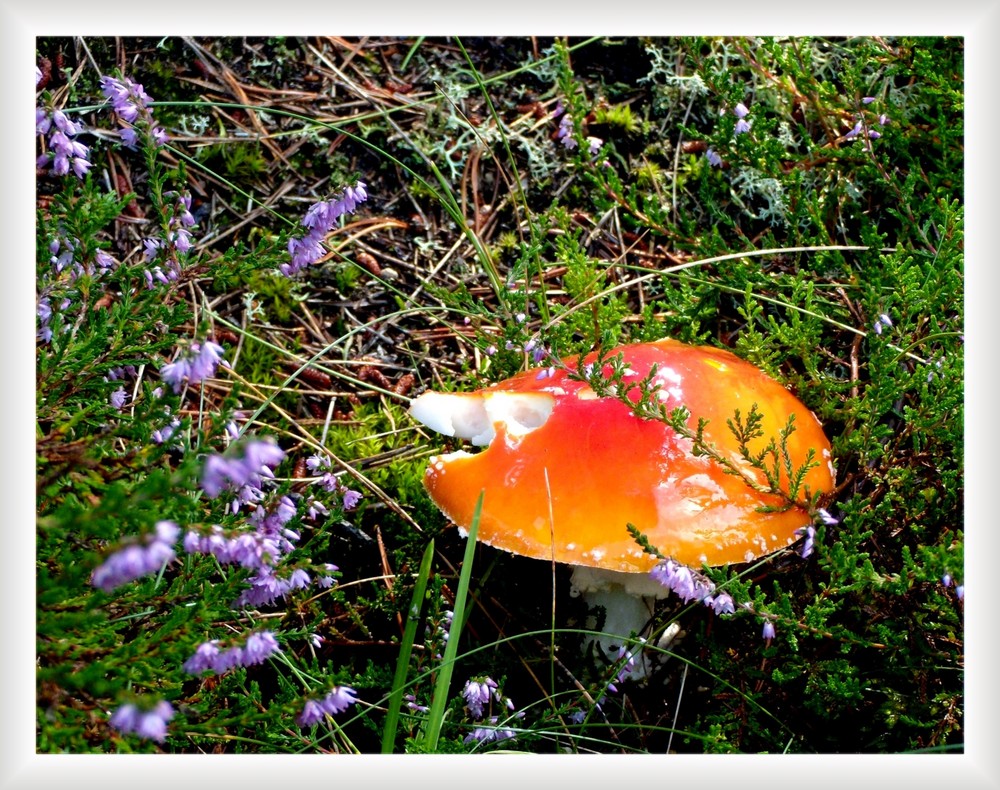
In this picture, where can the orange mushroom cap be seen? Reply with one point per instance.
(565, 471)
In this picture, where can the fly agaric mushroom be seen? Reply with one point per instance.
(564, 471)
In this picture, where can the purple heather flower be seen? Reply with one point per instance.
(478, 693)
(64, 152)
(259, 647)
(205, 658)
(351, 499)
(221, 473)
(881, 323)
(742, 125)
(883, 119)
(723, 604)
(311, 714)
(265, 588)
(855, 131)
(298, 580)
(826, 518)
(337, 701)
(412, 704)
(251, 550)
(624, 671)
(594, 144)
(354, 195)
(713, 158)
(319, 220)
(178, 237)
(492, 733)
(228, 659)
(176, 373)
(175, 240)
(151, 724)
(947, 581)
(328, 580)
(181, 239)
(154, 274)
(208, 358)
(683, 581)
(43, 121)
(44, 311)
(768, 632)
(218, 473)
(197, 363)
(810, 535)
(118, 398)
(873, 134)
(209, 657)
(183, 210)
(315, 508)
(162, 435)
(932, 373)
(868, 100)
(136, 560)
(151, 248)
(285, 511)
(565, 132)
(317, 462)
(103, 259)
(131, 103)
(81, 166)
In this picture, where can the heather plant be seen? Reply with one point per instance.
(235, 552)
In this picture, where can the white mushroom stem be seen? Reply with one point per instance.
(628, 600)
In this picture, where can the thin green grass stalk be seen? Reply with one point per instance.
(435, 718)
(411, 52)
(405, 650)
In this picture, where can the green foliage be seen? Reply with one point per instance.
(237, 160)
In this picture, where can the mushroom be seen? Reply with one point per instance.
(565, 471)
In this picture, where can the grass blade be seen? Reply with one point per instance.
(436, 717)
(405, 650)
